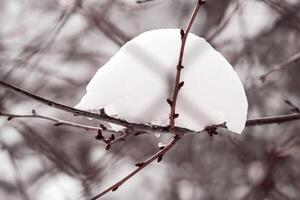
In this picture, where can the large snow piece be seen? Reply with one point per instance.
(135, 83)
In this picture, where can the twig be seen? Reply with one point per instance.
(280, 66)
(178, 84)
(57, 122)
(140, 166)
(294, 109)
(279, 119)
(109, 141)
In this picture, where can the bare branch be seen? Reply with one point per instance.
(109, 141)
(184, 34)
(140, 166)
(57, 122)
(273, 120)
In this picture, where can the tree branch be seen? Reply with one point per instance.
(143, 127)
(140, 166)
(114, 136)
(178, 85)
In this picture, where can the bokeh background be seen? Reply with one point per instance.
(53, 47)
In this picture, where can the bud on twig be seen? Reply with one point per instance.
(180, 67)
(112, 137)
(99, 135)
(108, 146)
(159, 158)
(175, 115)
(181, 84)
(139, 164)
(170, 102)
(182, 33)
(103, 127)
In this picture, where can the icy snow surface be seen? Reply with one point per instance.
(135, 83)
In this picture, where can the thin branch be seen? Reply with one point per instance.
(57, 122)
(140, 166)
(281, 65)
(273, 120)
(178, 84)
(115, 136)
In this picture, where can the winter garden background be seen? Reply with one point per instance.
(53, 48)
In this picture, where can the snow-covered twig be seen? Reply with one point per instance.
(144, 128)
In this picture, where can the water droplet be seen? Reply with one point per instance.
(160, 145)
(157, 135)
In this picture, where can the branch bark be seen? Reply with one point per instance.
(279, 119)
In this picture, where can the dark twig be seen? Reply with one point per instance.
(140, 166)
(115, 136)
(273, 120)
(179, 67)
(57, 122)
